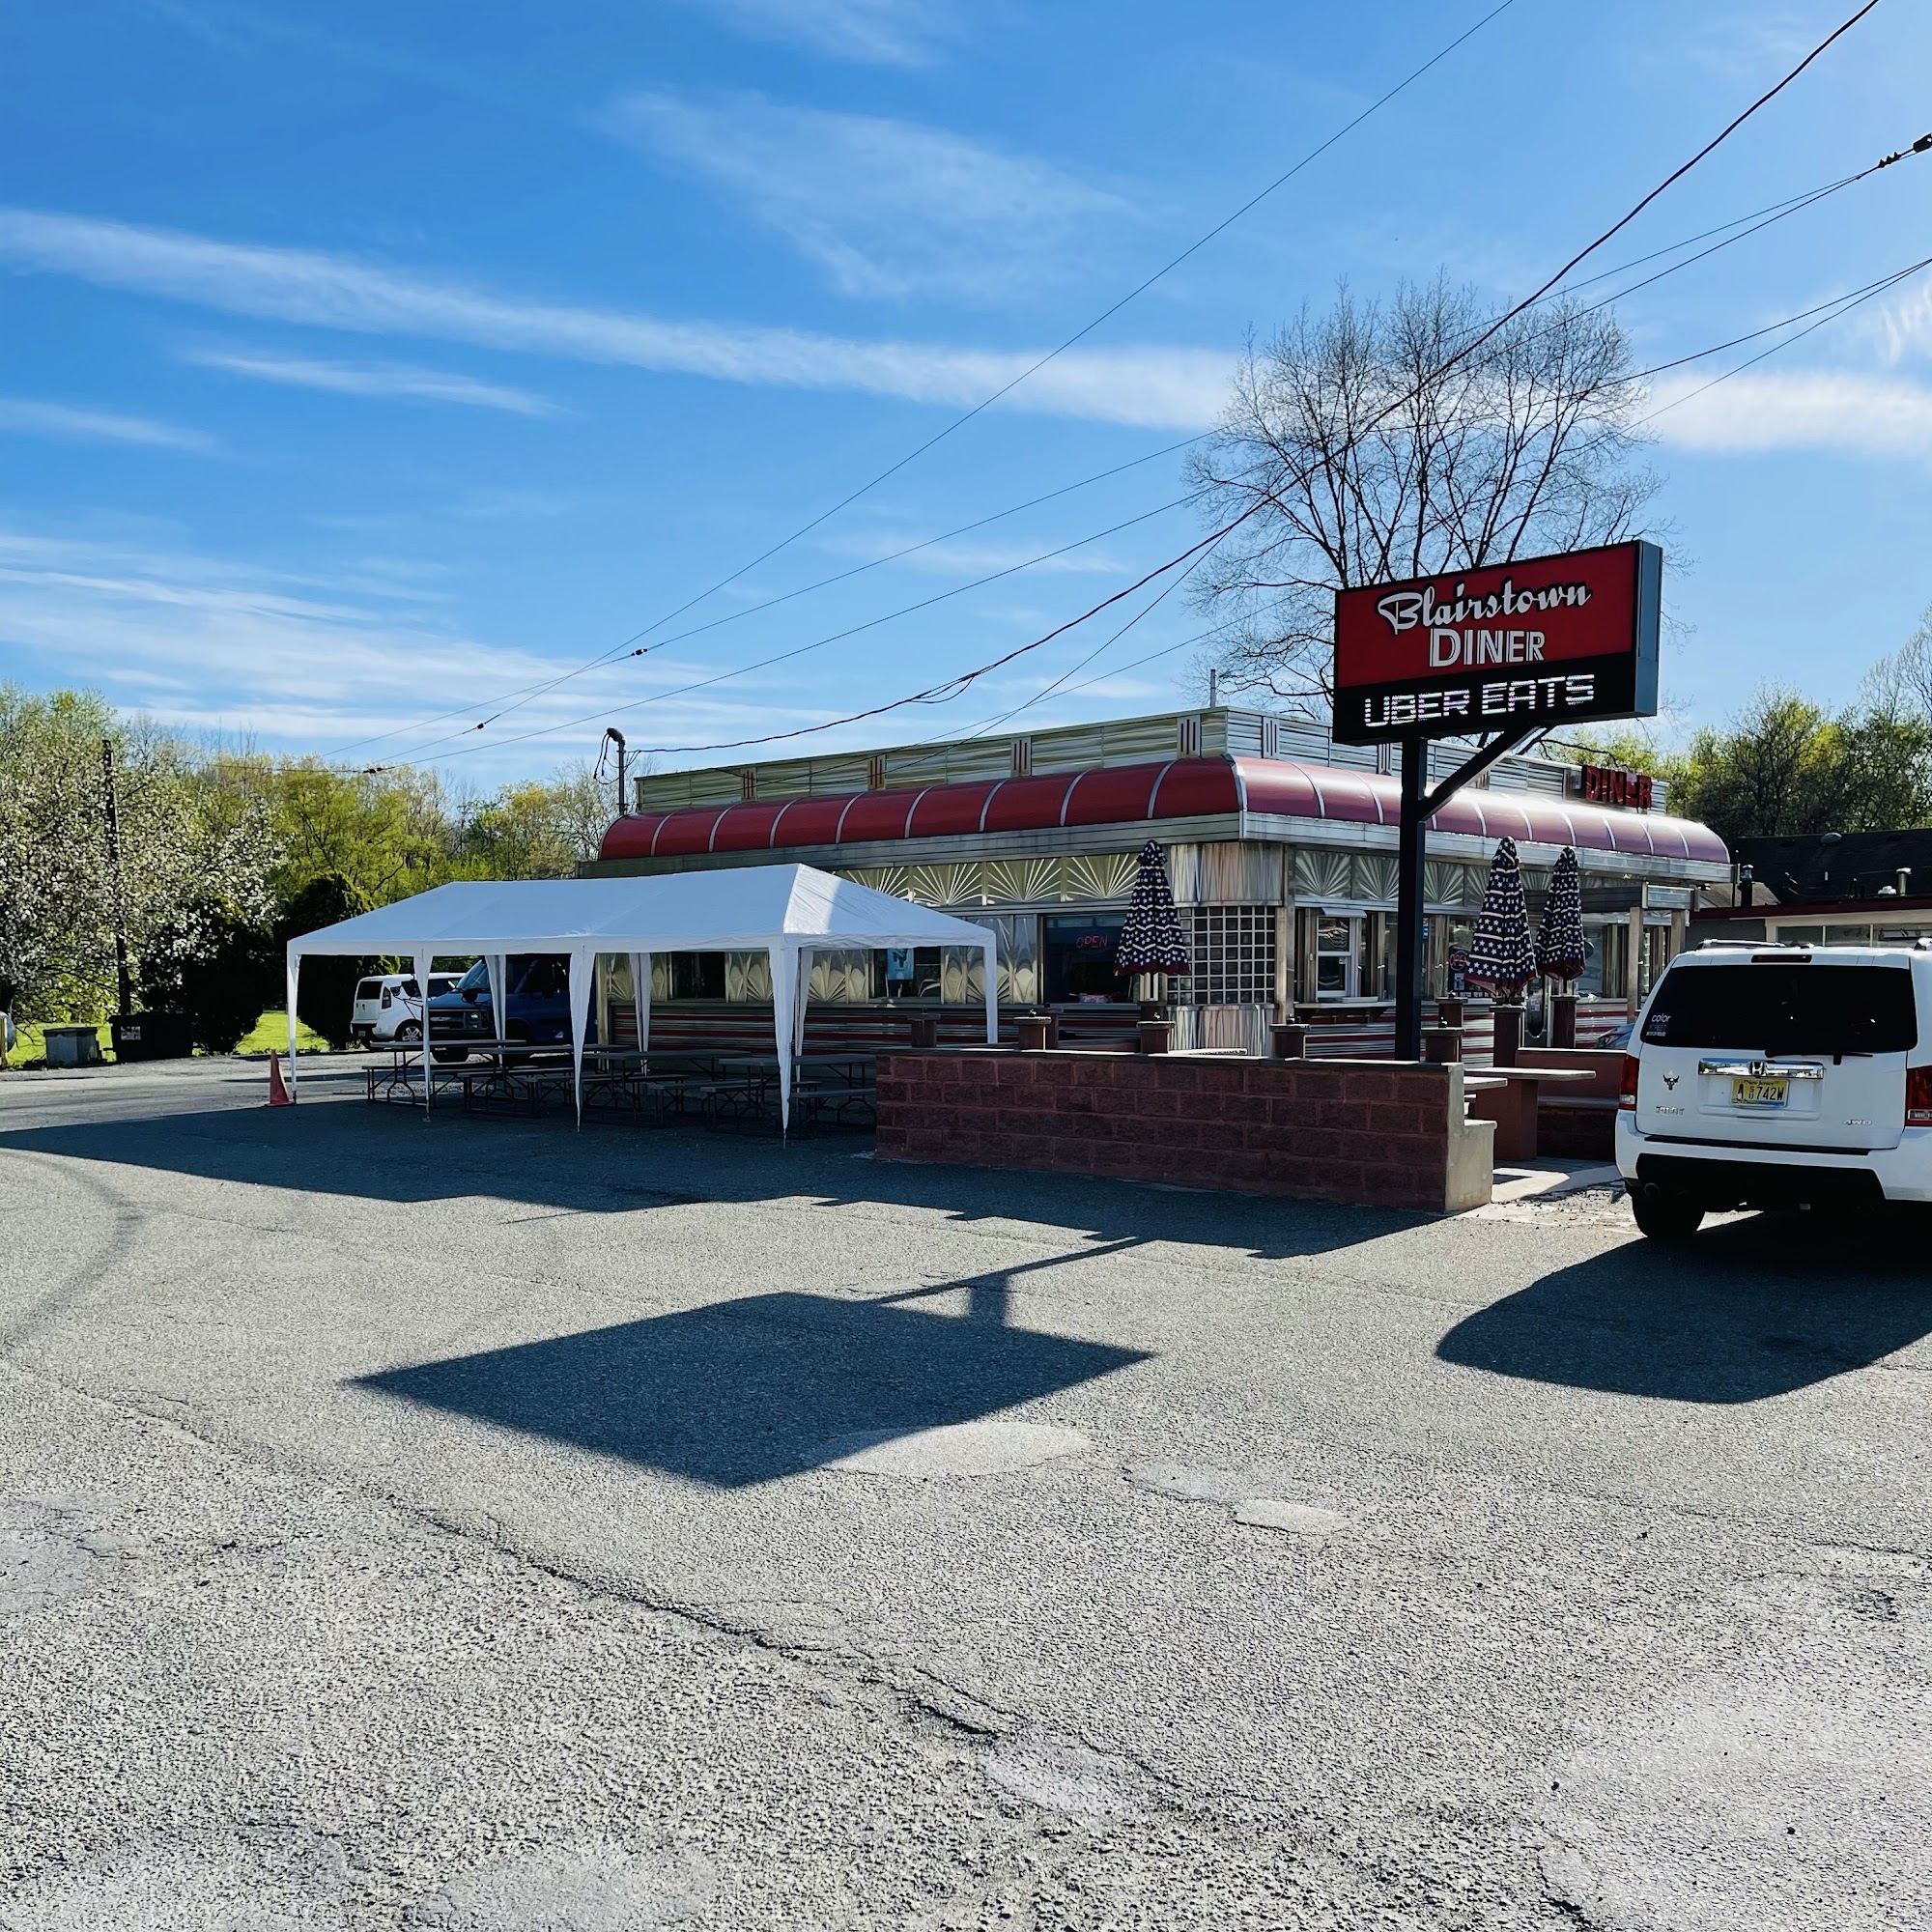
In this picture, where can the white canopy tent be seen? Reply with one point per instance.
(787, 911)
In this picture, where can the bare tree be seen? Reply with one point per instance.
(1363, 463)
(1903, 682)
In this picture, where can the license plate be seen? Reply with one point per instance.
(1755, 1090)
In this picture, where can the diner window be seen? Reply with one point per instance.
(1080, 964)
(1231, 948)
(697, 975)
(911, 972)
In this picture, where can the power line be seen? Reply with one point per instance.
(785, 597)
(956, 686)
(617, 651)
(1107, 314)
(1777, 210)
(1107, 643)
(819, 643)
(1843, 306)
(1676, 175)
(1758, 219)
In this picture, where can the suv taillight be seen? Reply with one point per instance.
(1919, 1096)
(1627, 1092)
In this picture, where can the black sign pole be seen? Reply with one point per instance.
(1408, 899)
(1419, 805)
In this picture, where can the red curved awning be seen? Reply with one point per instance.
(1144, 795)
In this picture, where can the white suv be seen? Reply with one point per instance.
(1778, 1076)
(390, 1007)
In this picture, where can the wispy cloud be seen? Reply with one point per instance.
(886, 208)
(958, 559)
(1152, 387)
(1800, 409)
(310, 661)
(1903, 327)
(887, 33)
(370, 378)
(24, 415)
(1739, 47)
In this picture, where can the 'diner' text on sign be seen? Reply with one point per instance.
(1554, 641)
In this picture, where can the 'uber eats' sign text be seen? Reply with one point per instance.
(1552, 640)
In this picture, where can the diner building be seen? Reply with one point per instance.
(1281, 845)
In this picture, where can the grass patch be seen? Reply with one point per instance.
(270, 1035)
(30, 1049)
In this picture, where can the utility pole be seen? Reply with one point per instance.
(612, 735)
(123, 983)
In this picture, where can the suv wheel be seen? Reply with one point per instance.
(410, 1030)
(1664, 1215)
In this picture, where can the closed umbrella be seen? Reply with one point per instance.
(1150, 941)
(1500, 955)
(1559, 933)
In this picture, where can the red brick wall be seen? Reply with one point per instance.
(1387, 1132)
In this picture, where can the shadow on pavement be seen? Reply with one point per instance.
(348, 1148)
(746, 1391)
(1752, 1308)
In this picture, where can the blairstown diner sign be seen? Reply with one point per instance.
(1544, 641)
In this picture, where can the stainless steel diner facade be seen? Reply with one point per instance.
(1280, 842)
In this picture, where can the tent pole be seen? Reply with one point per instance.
(782, 989)
(294, 961)
(640, 997)
(582, 980)
(498, 968)
(423, 961)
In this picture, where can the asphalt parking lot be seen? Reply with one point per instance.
(491, 1526)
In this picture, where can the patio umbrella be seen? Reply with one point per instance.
(1559, 933)
(1150, 941)
(1500, 955)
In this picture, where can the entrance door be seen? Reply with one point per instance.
(1337, 947)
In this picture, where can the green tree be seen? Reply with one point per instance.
(384, 834)
(1786, 767)
(539, 829)
(325, 992)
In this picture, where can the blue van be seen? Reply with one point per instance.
(536, 1001)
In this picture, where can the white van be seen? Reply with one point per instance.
(1778, 1076)
(390, 1007)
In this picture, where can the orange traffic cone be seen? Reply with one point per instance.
(278, 1093)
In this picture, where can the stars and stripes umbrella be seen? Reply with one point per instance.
(1559, 933)
(1500, 955)
(1150, 941)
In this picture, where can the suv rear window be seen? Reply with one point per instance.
(1785, 1009)
(369, 989)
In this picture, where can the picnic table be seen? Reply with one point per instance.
(826, 1087)
(1509, 1097)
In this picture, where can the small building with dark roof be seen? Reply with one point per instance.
(1828, 888)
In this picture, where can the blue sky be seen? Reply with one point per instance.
(363, 364)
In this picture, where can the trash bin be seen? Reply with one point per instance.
(154, 1036)
(72, 1046)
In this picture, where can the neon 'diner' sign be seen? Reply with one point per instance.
(1546, 640)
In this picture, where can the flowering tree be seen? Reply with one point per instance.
(193, 859)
